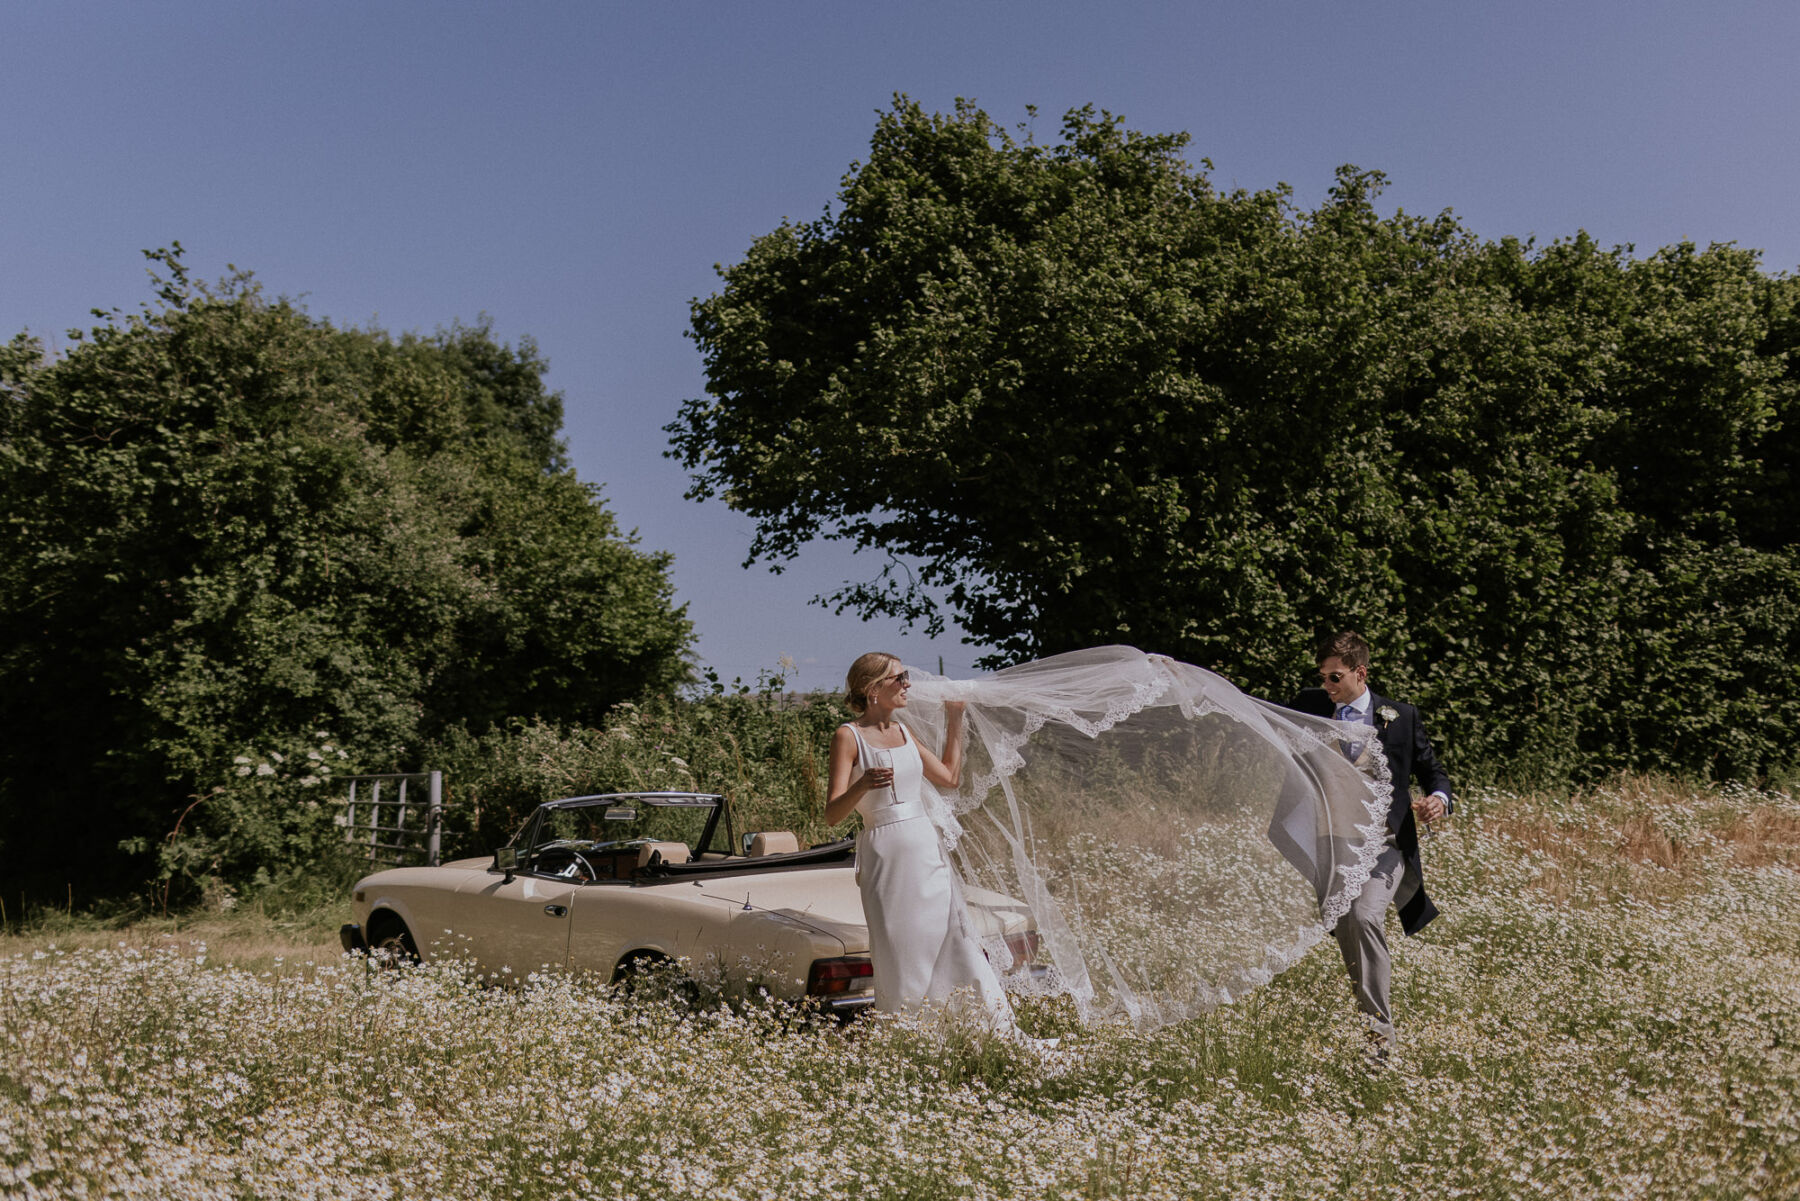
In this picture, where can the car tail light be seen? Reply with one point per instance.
(832, 976)
(1024, 947)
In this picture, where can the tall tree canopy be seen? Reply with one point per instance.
(231, 534)
(1096, 399)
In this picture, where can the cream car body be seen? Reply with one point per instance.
(742, 913)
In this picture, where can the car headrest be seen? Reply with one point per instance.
(663, 852)
(774, 842)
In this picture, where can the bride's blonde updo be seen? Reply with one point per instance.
(867, 670)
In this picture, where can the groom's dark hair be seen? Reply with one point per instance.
(1347, 647)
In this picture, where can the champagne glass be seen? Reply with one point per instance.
(1423, 821)
(882, 757)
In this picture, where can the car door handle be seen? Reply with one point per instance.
(557, 910)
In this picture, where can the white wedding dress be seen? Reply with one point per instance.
(921, 944)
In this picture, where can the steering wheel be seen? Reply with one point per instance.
(577, 868)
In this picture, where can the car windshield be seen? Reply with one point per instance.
(612, 822)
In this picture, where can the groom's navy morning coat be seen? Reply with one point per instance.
(1408, 754)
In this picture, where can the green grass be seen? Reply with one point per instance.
(1610, 1007)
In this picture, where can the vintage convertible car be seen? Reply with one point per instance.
(615, 882)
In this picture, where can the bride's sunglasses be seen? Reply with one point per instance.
(904, 679)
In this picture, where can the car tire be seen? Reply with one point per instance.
(629, 972)
(391, 943)
(651, 973)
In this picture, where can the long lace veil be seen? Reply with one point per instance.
(1177, 842)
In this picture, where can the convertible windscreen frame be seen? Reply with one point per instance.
(549, 847)
(704, 860)
(526, 841)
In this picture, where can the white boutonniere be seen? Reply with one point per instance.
(1386, 713)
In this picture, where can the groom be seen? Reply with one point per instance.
(1343, 693)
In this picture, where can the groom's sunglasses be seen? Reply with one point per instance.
(1334, 676)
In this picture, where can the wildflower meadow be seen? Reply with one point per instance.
(1610, 1007)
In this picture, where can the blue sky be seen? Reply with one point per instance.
(574, 171)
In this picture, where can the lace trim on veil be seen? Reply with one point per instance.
(1006, 757)
(1356, 877)
(1378, 802)
(1004, 754)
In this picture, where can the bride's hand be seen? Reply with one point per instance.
(954, 709)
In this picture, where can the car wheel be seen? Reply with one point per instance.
(631, 970)
(391, 943)
(645, 974)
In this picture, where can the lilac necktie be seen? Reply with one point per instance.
(1351, 749)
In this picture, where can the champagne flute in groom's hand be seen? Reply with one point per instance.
(1420, 808)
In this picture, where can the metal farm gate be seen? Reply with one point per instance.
(387, 819)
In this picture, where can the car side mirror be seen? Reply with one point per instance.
(506, 859)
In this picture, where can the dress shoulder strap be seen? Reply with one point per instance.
(862, 748)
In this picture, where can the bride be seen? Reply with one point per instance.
(1174, 842)
(920, 943)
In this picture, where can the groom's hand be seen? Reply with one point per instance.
(1429, 809)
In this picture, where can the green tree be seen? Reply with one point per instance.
(1094, 399)
(232, 534)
